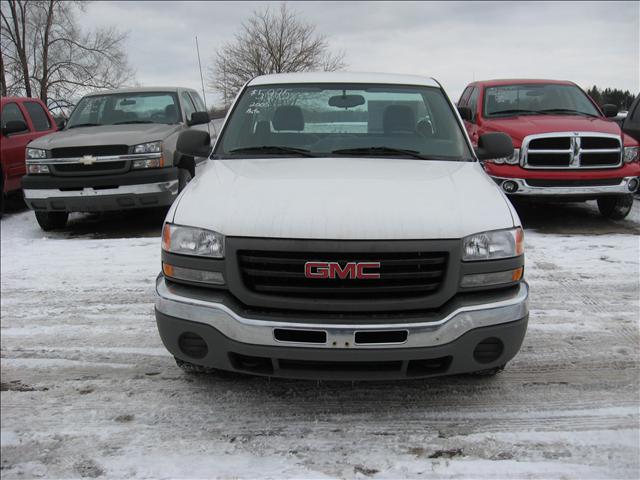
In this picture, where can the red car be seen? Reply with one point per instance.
(566, 147)
(23, 120)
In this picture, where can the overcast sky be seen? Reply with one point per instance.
(587, 42)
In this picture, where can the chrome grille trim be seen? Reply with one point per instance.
(574, 153)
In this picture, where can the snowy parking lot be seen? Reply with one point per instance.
(88, 389)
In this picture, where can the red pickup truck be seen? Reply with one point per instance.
(22, 120)
(566, 147)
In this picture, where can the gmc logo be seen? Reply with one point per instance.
(334, 270)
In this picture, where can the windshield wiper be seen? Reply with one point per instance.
(568, 110)
(273, 149)
(85, 125)
(131, 121)
(519, 111)
(379, 151)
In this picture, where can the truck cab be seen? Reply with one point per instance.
(566, 147)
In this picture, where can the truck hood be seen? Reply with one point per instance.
(128, 134)
(519, 127)
(343, 198)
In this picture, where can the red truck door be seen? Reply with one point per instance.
(38, 123)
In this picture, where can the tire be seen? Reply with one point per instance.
(184, 177)
(615, 207)
(193, 368)
(51, 220)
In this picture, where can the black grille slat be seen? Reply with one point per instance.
(95, 150)
(595, 143)
(551, 143)
(594, 159)
(402, 274)
(549, 159)
(588, 182)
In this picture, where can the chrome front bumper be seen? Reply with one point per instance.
(170, 186)
(174, 301)
(525, 189)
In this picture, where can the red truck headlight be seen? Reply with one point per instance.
(512, 159)
(631, 154)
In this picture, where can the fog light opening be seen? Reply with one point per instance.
(193, 345)
(488, 350)
(633, 184)
(509, 186)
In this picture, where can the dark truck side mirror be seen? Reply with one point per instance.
(494, 145)
(465, 113)
(194, 143)
(14, 126)
(198, 118)
(609, 110)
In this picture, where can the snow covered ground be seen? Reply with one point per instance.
(89, 391)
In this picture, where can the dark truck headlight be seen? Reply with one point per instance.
(195, 242)
(36, 154)
(493, 245)
(146, 148)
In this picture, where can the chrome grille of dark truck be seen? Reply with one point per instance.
(95, 150)
(407, 274)
(572, 150)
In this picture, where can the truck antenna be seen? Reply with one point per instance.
(204, 97)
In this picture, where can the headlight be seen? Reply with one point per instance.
(493, 245)
(192, 241)
(151, 147)
(36, 153)
(37, 168)
(512, 159)
(631, 154)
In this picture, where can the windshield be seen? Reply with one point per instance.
(534, 99)
(343, 119)
(124, 108)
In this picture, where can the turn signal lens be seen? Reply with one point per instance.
(491, 279)
(192, 275)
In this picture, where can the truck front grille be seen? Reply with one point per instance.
(572, 150)
(402, 275)
(101, 168)
(94, 150)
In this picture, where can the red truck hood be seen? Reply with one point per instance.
(519, 127)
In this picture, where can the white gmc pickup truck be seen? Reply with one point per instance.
(343, 228)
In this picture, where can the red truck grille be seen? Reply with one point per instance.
(573, 150)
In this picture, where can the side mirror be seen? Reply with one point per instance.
(61, 123)
(14, 126)
(194, 143)
(198, 118)
(465, 113)
(494, 145)
(609, 110)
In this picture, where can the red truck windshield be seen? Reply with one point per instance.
(537, 99)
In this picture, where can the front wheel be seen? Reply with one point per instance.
(51, 220)
(615, 207)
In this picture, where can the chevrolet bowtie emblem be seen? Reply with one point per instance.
(88, 160)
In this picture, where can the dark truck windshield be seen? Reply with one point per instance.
(126, 108)
(343, 119)
(537, 99)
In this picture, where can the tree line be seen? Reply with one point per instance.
(615, 96)
(44, 53)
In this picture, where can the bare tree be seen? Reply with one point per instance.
(45, 52)
(270, 42)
